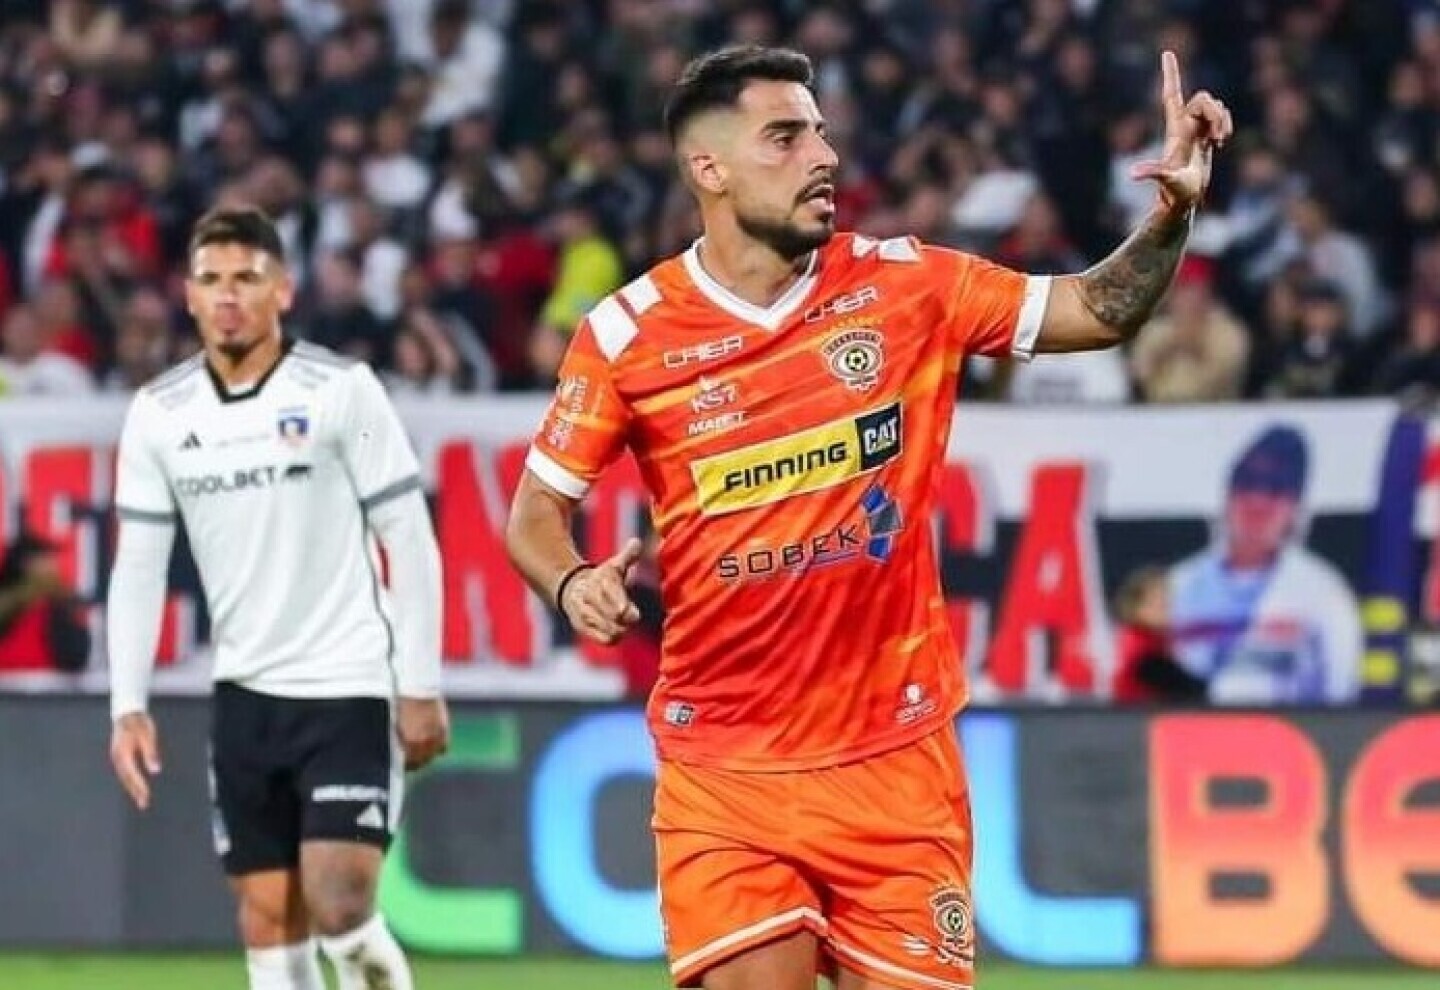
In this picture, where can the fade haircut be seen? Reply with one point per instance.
(715, 81)
(238, 225)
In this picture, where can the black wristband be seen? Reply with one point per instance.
(570, 575)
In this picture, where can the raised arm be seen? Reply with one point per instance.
(1108, 303)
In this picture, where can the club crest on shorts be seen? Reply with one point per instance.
(855, 354)
(954, 924)
(293, 425)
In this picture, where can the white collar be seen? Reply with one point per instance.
(770, 318)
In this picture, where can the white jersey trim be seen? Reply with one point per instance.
(641, 294)
(613, 328)
(1032, 314)
(402, 487)
(547, 470)
(770, 318)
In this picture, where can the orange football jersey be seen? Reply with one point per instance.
(791, 454)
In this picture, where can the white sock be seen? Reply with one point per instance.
(368, 958)
(285, 967)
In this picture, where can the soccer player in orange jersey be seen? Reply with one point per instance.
(787, 392)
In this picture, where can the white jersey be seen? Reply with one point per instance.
(1287, 634)
(273, 484)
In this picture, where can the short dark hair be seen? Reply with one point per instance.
(716, 80)
(245, 225)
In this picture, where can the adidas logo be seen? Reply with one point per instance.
(371, 817)
(191, 442)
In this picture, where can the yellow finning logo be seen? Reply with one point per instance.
(809, 461)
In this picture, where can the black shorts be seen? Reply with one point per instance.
(287, 770)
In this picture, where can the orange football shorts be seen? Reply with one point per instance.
(873, 857)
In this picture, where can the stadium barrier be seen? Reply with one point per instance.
(1105, 838)
(1041, 514)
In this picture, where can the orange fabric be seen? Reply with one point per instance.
(874, 857)
(792, 472)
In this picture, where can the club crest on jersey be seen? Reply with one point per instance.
(855, 354)
(954, 926)
(293, 426)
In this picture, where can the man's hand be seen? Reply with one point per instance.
(135, 754)
(424, 728)
(596, 600)
(1193, 129)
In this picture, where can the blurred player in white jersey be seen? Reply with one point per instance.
(284, 461)
(1262, 619)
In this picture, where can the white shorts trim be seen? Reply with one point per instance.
(890, 969)
(744, 934)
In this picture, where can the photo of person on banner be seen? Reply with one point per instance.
(1258, 615)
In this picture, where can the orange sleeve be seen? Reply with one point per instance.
(993, 310)
(584, 429)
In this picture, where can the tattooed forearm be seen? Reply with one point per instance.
(1124, 289)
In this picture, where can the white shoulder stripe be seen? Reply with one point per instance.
(614, 330)
(641, 294)
(862, 245)
(1032, 314)
(898, 249)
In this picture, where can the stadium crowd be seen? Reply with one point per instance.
(458, 181)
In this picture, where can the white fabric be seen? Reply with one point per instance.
(368, 948)
(273, 490)
(132, 616)
(1082, 376)
(46, 374)
(417, 589)
(285, 967)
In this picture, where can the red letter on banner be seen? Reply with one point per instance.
(471, 527)
(1386, 843)
(58, 481)
(1054, 586)
(1194, 841)
(966, 526)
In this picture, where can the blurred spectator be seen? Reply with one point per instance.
(467, 54)
(1341, 258)
(63, 325)
(142, 343)
(589, 269)
(425, 362)
(342, 321)
(41, 627)
(1315, 363)
(1414, 367)
(1146, 669)
(26, 368)
(1196, 350)
(394, 175)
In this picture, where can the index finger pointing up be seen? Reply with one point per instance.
(1172, 99)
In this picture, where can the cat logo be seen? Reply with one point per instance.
(809, 461)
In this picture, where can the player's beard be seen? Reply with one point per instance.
(784, 236)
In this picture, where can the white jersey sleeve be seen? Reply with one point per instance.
(137, 580)
(386, 475)
(142, 491)
(374, 446)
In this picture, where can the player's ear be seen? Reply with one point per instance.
(284, 289)
(706, 172)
